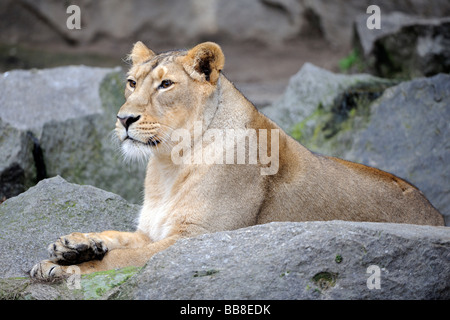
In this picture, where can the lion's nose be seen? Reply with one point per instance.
(127, 121)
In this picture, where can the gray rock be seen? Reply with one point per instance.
(336, 17)
(31, 98)
(52, 208)
(312, 92)
(17, 166)
(68, 114)
(28, 101)
(405, 46)
(311, 260)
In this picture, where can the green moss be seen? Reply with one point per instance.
(92, 286)
(298, 130)
(327, 129)
(284, 274)
(95, 285)
(325, 280)
(13, 288)
(69, 204)
(353, 61)
(112, 92)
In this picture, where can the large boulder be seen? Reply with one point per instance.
(53, 208)
(314, 91)
(282, 260)
(401, 128)
(311, 260)
(31, 98)
(59, 122)
(405, 46)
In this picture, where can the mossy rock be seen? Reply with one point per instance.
(318, 105)
(328, 127)
(92, 286)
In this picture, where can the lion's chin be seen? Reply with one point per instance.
(135, 151)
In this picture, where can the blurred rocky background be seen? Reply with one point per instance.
(265, 41)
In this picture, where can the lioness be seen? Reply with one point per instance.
(187, 195)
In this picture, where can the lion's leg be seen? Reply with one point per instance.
(76, 248)
(117, 258)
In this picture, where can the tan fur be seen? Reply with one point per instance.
(185, 200)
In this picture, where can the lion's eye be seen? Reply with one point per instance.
(165, 84)
(132, 83)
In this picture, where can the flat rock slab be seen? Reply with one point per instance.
(311, 260)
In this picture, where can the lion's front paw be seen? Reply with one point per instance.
(76, 248)
(46, 270)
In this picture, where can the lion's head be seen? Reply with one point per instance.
(165, 92)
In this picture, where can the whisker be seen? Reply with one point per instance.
(167, 144)
(135, 152)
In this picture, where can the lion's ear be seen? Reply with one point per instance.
(140, 53)
(204, 62)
